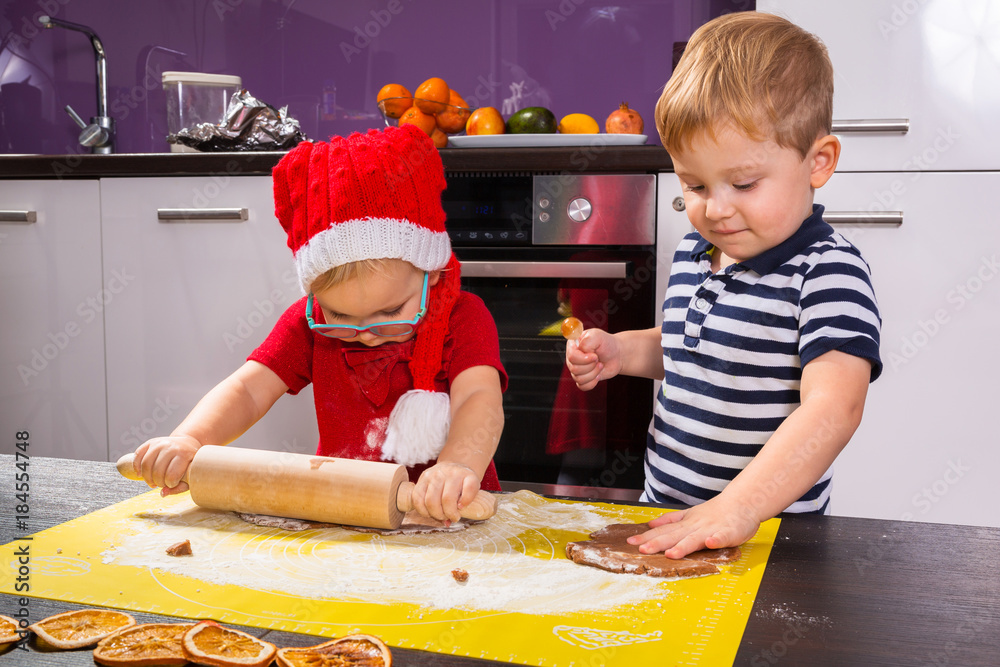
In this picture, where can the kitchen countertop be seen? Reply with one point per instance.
(836, 591)
(578, 159)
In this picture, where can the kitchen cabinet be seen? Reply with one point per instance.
(927, 439)
(932, 62)
(53, 300)
(209, 273)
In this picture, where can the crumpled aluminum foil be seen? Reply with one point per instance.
(249, 125)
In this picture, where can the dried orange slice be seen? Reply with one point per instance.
(360, 650)
(208, 643)
(83, 627)
(145, 644)
(9, 630)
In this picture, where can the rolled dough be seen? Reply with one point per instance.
(608, 550)
(413, 523)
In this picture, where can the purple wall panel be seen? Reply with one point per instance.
(570, 55)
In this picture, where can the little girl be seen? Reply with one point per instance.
(405, 366)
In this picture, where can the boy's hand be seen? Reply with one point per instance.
(441, 489)
(595, 356)
(162, 462)
(714, 524)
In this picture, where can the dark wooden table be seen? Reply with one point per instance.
(836, 591)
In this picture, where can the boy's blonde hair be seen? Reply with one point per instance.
(763, 74)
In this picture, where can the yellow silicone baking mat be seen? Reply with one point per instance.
(523, 601)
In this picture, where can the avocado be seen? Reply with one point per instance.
(532, 120)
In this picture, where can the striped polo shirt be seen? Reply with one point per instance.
(734, 344)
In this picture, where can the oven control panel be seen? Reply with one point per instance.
(523, 210)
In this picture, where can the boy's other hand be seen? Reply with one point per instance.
(443, 490)
(595, 356)
(162, 462)
(714, 524)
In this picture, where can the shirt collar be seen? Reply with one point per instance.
(810, 231)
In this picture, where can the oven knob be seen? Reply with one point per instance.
(678, 204)
(543, 217)
(579, 209)
(544, 202)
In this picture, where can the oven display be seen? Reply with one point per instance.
(490, 211)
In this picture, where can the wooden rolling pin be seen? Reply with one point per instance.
(371, 494)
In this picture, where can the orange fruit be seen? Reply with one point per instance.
(9, 630)
(350, 650)
(432, 95)
(394, 99)
(142, 645)
(439, 138)
(84, 627)
(485, 120)
(208, 643)
(455, 115)
(414, 116)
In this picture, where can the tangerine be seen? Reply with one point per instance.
(432, 95)
(414, 116)
(350, 650)
(145, 644)
(9, 630)
(83, 627)
(394, 99)
(208, 643)
(455, 115)
(439, 138)
(485, 120)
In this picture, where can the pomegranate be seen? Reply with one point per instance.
(623, 121)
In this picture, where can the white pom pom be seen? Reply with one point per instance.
(418, 427)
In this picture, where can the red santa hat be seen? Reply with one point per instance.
(378, 196)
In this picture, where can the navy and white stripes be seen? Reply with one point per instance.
(734, 344)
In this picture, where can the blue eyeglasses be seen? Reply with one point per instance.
(387, 329)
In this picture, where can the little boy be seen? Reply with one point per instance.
(405, 366)
(770, 331)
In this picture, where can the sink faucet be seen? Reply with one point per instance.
(99, 134)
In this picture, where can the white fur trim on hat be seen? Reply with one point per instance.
(371, 238)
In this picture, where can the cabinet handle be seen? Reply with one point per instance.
(865, 125)
(867, 218)
(545, 269)
(18, 216)
(195, 214)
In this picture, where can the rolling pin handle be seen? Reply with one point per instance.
(482, 507)
(126, 467)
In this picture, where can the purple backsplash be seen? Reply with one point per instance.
(571, 55)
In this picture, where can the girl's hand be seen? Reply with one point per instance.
(714, 524)
(162, 462)
(441, 490)
(595, 356)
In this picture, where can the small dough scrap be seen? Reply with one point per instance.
(460, 575)
(180, 549)
(608, 549)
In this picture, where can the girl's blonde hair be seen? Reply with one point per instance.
(762, 74)
(363, 268)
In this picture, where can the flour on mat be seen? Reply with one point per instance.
(334, 563)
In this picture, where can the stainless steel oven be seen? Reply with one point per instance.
(538, 248)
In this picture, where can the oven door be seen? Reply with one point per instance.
(554, 432)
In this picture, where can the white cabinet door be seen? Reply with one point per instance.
(931, 61)
(927, 446)
(203, 294)
(52, 331)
